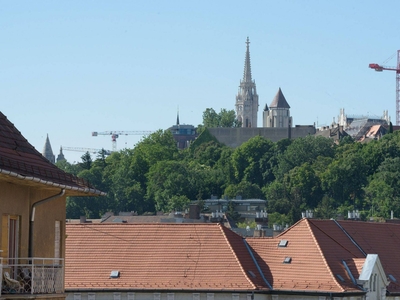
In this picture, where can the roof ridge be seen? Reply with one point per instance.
(308, 223)
(223, 230)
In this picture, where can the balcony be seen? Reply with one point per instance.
(31, 276)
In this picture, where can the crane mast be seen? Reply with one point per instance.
(115, 134)
(380, 68)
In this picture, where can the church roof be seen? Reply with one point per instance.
(279, 101)
(21, 162)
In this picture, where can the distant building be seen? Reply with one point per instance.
(247, 98)
(48, 151)
(278, 113)
(183, 134)
(60, 156)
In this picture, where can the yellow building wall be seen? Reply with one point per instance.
(17, 200)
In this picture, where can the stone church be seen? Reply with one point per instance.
(278, 113)
(277, 123)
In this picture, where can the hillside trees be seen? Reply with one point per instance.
(292, 175)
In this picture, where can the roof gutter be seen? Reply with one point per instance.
(32, 217)
(53, 184)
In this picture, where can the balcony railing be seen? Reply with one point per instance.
(32, 275)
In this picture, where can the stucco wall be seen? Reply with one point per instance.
(17, 200)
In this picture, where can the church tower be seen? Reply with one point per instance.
(48, 152)
(247, 98)
(278, 113)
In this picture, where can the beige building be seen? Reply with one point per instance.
(32, 209)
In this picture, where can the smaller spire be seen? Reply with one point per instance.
(279, 101)
(177, 117)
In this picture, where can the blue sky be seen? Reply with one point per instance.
(68, 68)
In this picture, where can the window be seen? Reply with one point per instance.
(170, 296)
(57, 240)
(91, 296)
(210, 296)
(374, 282)
(157, 296)
(117, 296)
(131, 296)
(77, 296)
(196, 296)
(10, 238)
(235, 296)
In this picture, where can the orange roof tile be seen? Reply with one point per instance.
(158, 257)
(316, 256)
(382, 239)
(19, 159)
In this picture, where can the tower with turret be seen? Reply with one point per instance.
(247, 98)
(278, 113)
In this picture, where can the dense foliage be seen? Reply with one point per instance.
(292, 175)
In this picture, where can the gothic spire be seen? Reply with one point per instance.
(47, 151)
(247, 65)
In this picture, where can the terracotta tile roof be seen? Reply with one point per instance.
(201, 257)
(382, 239)
(317, 251)
(19, 159)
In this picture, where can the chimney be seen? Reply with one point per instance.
(82, 219)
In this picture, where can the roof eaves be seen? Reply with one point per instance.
(85, 190)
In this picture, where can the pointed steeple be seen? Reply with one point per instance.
(47, 151)
(247, 98)
(279, 101)
(247, 65)
(177, 118)
(60, 156)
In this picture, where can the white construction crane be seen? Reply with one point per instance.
(90, 150)
(116, 134)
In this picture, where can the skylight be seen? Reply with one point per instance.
(283, 243)
(287, 260)
(391, 277)
(114, 274)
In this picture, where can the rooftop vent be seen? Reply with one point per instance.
(391, 278)
(283, 243)
(114, 274)
(340, 277)
(252, 274)
(287, 260)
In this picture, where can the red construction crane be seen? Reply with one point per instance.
(116, 134)
(380, 68)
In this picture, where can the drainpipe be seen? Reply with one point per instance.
(32, 218)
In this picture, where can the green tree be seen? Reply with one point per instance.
(251, 160)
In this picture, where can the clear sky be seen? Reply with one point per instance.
(68, 68)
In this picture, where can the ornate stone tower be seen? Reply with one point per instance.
(278, 113)
(247, 98)
(48, 152)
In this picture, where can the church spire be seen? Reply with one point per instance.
(47, 151)
(247, 98)
(247, 65)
